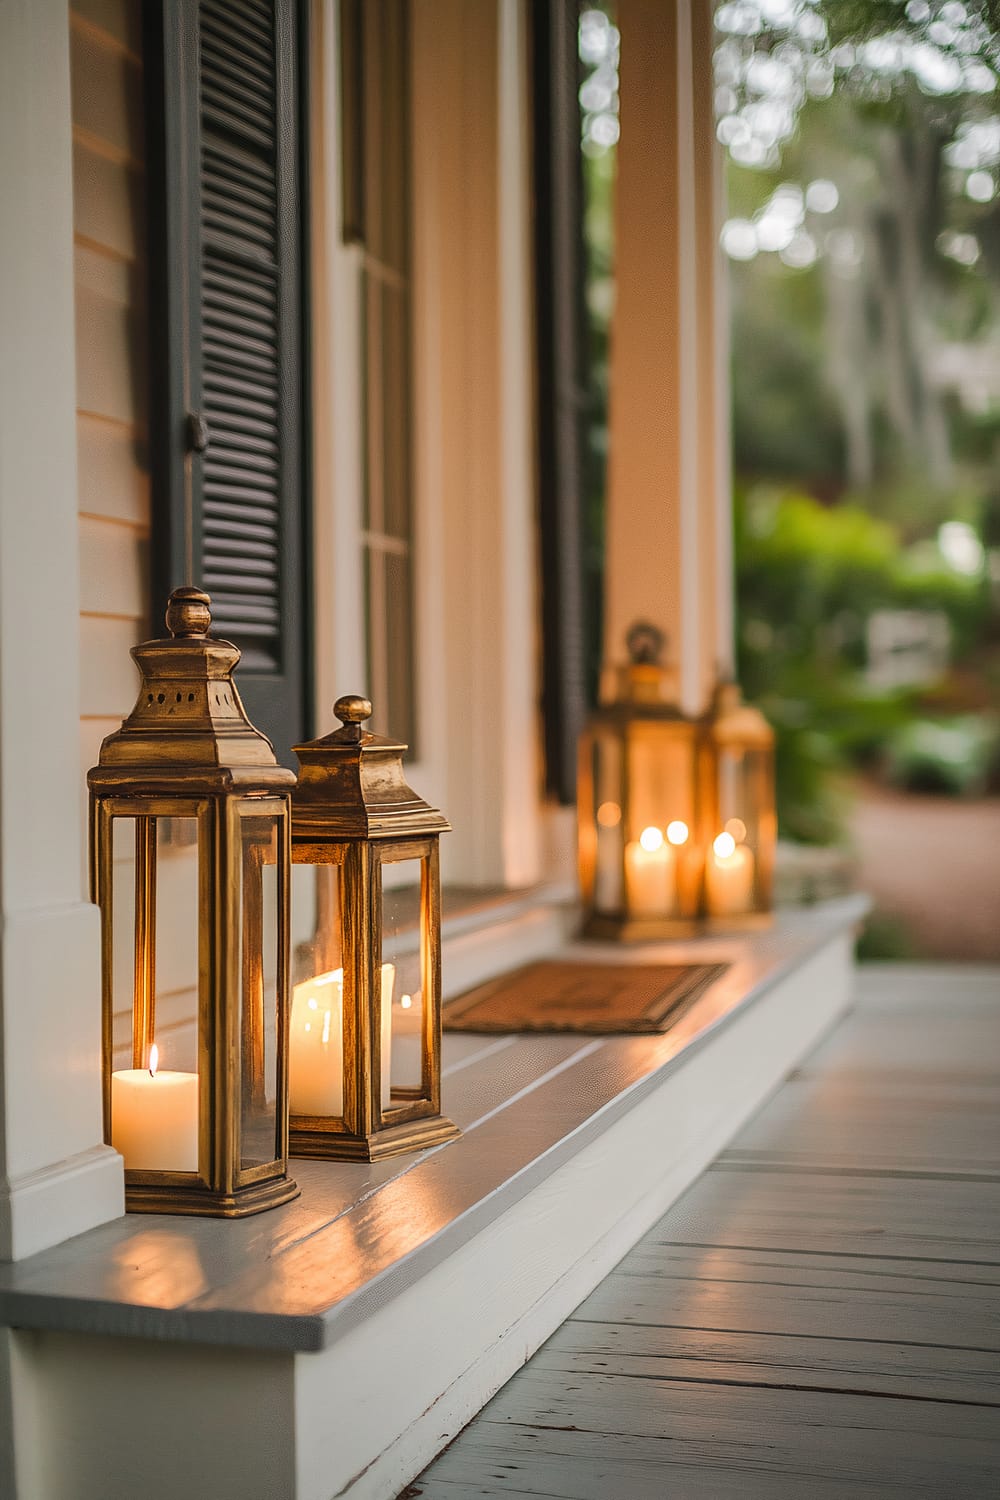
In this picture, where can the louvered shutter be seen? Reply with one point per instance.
(227, 168)
(562, 391)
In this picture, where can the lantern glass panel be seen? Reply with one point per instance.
(608, 820)
(123, 955)
(258, 968)
(177, 926)
(403, 979)
(661, 780)
(154, 1099)
(316, 1037)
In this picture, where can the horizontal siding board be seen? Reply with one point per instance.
(120, 20)
(110, 338)
(106, 92)
(113, 570)
(112, 470)
(108, 202)
(108, 677)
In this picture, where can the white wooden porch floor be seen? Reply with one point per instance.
(818, 1316)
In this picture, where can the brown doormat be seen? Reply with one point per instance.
(594, 998)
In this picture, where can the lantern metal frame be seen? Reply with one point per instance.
(642, 715)
(352, 809)
(188, 750)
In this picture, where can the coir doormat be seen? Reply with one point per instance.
(595, 998)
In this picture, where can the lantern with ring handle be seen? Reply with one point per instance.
(365, 1040)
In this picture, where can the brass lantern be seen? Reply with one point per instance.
(190, 864)
(640, 818)
(365, 1040)
(738, 776)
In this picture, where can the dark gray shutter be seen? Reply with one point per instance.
(562, 383)
(227, 170)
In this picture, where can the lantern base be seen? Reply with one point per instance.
(748, 921)
(613, 928)
(393, 1140)
(173, 1198)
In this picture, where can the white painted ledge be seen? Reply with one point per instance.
(381, 1310)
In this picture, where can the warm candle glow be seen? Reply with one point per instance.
(406, 1001)
(316, 1043)
(724, 845)
(737, 828)
(650, 839)
(154, 1060)
(677, 832)
(609, 815)
(154, 1117)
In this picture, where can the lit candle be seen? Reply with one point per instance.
(650, 875)
(154, 1118)
(316, 1044)
(729, 877)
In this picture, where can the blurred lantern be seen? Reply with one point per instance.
(638, 801)
(737, 776)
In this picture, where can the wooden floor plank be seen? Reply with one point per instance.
(818, 1316)
(882, 1216)
(701, 1442)
(776, 1360)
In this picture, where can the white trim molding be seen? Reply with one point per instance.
(56, 1177)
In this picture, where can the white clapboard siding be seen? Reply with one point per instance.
(111, 362)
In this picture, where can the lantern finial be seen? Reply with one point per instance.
(352, 710)
(188, 613)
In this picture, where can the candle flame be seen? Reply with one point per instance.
(406, 1001)
(724, 846)
(677, 831)
(650, 839)
(154, 1060)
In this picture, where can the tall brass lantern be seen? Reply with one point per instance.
(737, 773)
(365, 1042)
(639, 806)
(190, 866)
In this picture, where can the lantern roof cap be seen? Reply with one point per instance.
(188, 729)
(644, 687)
(352, 784)
(732, 720)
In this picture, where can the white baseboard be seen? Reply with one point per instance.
(45, 1207)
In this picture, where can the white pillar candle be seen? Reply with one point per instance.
(154, 1118)
(729, 878)
(650, 875)
(316, 1044)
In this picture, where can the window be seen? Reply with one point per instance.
(227, 145)
(377, 177)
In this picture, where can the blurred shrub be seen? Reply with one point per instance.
(954, 755)
(808, 578)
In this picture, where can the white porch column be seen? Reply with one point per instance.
(474, 449)
(56, 1176)
(668, 521)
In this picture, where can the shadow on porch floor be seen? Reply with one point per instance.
(817, 1316)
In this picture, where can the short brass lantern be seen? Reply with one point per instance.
(365, 1042)
(640, 818)
(190, 863)
(737, 773)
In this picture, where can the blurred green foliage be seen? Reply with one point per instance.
(808, 578)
